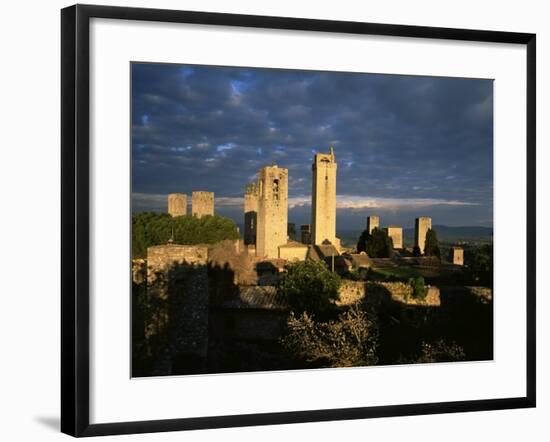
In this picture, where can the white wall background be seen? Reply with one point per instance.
(29, 238)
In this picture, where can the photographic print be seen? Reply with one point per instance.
(290, 219)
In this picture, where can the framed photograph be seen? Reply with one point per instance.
(272, 220)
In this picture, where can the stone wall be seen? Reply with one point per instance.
(177, 293)
(353, 291)
(139, 270)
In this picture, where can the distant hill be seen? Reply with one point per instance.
(444, 233)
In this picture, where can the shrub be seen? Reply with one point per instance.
(377, 244)
(419, 288)
(431, 246)
(347, 342)
(309, 286)
(441, 351)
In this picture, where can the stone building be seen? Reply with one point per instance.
(305, 230)
(293, 251)
(272, 211)
(177, 287)
(177, 204)
(373, 222)
(457, 256)
(421, 227)
(250, 213)
(323, 219)
(202, 203)
(396, 234)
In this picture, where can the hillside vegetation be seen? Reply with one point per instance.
(150, 228)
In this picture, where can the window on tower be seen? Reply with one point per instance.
(276, 189)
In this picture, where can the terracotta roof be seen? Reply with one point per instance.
(255, 297)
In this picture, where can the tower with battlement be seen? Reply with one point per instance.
(202, 203)
(250, 213)
(323, 205)
(421, 226)
(271, 231)
(177, 204)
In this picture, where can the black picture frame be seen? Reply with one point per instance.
(75, 212)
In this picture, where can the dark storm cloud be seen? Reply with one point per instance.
(405, 146)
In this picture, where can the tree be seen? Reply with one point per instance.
(349, 341)
(480, 262)
(416, 251)
(377, 244)
(150, 228)
(431, 246)
(309, 286)
(419, 288)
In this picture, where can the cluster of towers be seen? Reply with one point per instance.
(266, 207)
(202, 203)
(266, 210)
(421, 226)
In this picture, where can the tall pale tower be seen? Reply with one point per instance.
(373, 222)
(421, 227)
(271, 229)
(323, 206)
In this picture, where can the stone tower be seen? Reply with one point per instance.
(271, 229)
(177, 204)
(457, 256)
(305, 230)
(421, 227)
(396, 234)
(177, 285)
(323, 206)
(250, 213)
(202, 203)
(373, 221)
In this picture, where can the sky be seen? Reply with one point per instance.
(406, 146)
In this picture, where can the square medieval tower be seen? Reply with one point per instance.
(323, 207)
(421, 226)
(271, 229)
(250, 213)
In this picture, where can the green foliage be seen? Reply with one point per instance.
(419, 288)
(480, 262)
(347, 342)
(309, 286)
(431, 246)
(377, 244)
(391, 274)
(150, 228)
(416, 251)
